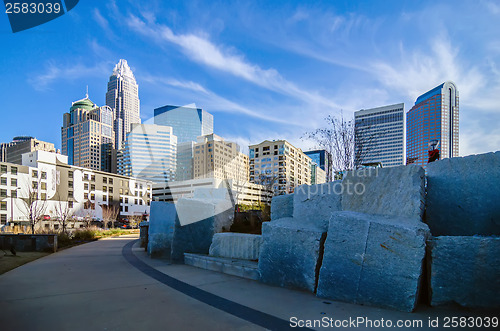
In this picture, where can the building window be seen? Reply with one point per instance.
(43, 196)
(126, 200)
(44, 175)
(70, 204)
(85, 196)
(104, 188)
(140, 202)
(92, 178)
(86, 177)
(92, 187)
(136, 202)
(3, 219)
(92, 196)
(3, 205)
(126, 209)
(13, 170)
(111, 180)
(3, 193)
(13, 194)
(34, 185)
(110, 190)
(70, 194)
(70, 174)
(34, 174)
(43, 185)
(105, 180)
(104, 198)
(3, 181)
(70, 184)
(56, 226)
(3, 168)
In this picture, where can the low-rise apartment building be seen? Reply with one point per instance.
(82, 192)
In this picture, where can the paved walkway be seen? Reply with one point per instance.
(111, 285)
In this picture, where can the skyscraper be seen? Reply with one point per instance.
(187, 122)
(433, 117)
(149, 153)
(123, 98)
(379, 135)
(87, 135)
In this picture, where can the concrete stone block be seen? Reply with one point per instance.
(373, 260)
(463, 196)
(465, 270)
(315, 203)
(196, 237)
(162, 217)
(290, 252)
(281, 206)
(396, 191)
(236, 245)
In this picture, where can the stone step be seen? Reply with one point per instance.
(235, 267)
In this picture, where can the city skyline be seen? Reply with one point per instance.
(245, 72)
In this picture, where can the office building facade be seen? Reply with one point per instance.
(279, 165)
(435, 116)
(12, 152)
(216, 158)
(188, 123)
(380, 136)
(87, 135)
(324, 160)
(123, 98)
(149, 152)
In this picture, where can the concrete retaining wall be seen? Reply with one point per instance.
(236, 245)
(29, 242)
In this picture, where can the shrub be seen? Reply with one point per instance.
(86, 234)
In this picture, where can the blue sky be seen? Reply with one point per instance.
(265, 69)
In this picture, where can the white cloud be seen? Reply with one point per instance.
(201, 50)
(54, 72)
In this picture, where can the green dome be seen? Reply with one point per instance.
(83, 103)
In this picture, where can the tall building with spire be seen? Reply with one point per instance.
(433, 117)
(123, 98)
(87, 135)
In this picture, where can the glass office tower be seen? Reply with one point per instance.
(187, 123)
(433, 117)
(149, 153)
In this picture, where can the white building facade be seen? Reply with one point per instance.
(84, 192)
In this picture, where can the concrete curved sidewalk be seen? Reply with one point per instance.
(95, 287)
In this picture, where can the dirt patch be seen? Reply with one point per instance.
(9, 261)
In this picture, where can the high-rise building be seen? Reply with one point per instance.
(87, 135)
(379, 135)
(216, 158)
(433, 117)
(187, 122)
(324, 160)
(123, 98)
(149, 152)
(185, 157)
(12, 152)
(279, 165)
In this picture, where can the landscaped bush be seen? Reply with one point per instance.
(86, 234)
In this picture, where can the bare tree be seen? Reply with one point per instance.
(34, 205)
(134, 220)
(349, 145)
(87, 213)
(271, 183)
(109, 214)
(64, 214)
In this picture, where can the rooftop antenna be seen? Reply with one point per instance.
(87, 93)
